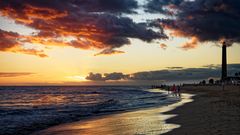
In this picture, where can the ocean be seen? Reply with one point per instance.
(24, 110)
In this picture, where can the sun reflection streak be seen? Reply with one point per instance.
(146, 121)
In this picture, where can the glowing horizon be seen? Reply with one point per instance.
(49, 44)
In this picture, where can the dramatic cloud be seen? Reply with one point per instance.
(14, 74)
(170, 74)
(91, 24)
(204, 20)
(101, 25)
(12, 42)
(69, 5)
(117, 6)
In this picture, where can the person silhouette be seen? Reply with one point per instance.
(173, 89)
(179, 91)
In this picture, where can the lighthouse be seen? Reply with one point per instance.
(224, 61)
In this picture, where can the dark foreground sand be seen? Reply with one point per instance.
(213, 112)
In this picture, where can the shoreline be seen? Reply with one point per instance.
(40, 124)
(213, 112)
(141, 121)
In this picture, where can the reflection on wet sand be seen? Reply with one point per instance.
(147, 121)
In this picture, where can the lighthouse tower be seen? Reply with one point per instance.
(224, 61)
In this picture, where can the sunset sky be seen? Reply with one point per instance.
(44, 42)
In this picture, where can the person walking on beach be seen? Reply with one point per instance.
(168, 89)
(173, 89)
(179, 91)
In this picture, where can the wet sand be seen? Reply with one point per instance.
(138, 122)
(213, 112)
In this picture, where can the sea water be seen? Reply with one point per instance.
(27, 109)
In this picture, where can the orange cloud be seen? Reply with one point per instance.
(163, 46)
(193, 43)
(74, 24)
(42, 13)
(35, 52)
(14, 74)
(10, 12)
(11, 42)
(54, 26)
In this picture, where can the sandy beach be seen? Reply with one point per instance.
(213, 112)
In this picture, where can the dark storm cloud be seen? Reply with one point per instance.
(75, 5)
(123, 28)
(170, 74)
(114, 76)
(119, 6)
(205, 20)
(208, 20)
(92, 24)
(14, 74)
(95, 77)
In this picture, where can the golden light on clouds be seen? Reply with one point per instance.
(73, 38)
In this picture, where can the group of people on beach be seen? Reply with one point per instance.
(175, 90)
